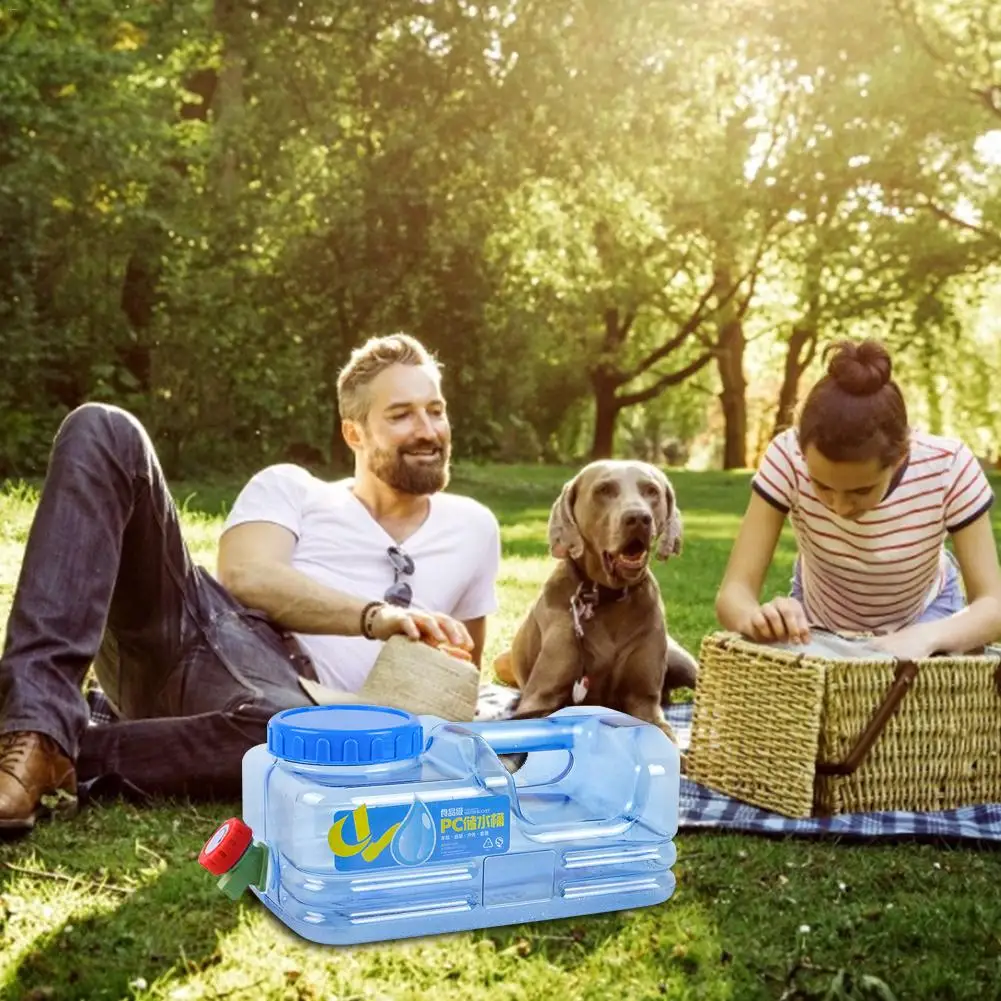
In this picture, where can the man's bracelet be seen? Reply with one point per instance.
(368, 614)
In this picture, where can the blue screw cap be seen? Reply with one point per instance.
(344, 735)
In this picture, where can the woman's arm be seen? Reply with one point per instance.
(738, 600)
(977, 624)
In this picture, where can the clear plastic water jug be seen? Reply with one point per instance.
(363, 823)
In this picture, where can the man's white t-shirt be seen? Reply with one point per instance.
(456, 554)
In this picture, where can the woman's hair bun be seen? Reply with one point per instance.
(859, 368)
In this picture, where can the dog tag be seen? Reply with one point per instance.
(582, 609)
(579, 691)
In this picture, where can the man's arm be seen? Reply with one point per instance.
(255, 566)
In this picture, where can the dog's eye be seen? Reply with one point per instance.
(606, 489)
(649, 490)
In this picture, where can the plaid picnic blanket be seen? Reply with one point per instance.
(701, 808)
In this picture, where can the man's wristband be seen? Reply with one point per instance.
(368, 614)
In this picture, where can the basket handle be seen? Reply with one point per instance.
(904, 677)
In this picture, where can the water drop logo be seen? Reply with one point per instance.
(415, 840)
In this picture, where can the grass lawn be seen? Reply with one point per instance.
(114, 905)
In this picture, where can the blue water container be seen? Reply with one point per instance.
(363, 823)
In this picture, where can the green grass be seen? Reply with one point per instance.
(114, 905)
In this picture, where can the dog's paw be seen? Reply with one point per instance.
(666, 728)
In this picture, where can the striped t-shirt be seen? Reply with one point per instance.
(879, 572)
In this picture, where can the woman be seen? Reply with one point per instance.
(871, 502)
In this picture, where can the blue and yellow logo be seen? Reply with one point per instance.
(364, 843)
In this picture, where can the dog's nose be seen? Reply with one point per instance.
(638, 519)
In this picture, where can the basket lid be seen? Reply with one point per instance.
(344, 735)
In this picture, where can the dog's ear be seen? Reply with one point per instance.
(564, 535)
(671, 531)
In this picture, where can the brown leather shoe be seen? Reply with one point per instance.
(32, 766)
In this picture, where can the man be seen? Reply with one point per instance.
(310, 574)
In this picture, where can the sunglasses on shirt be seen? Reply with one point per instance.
(399, 593)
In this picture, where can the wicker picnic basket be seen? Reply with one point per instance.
(814, 734)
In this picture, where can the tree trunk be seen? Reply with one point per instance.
(139, 295)
(228, 97)
(606, 412)
(605, 379)
(730, 362)
(607, 375)
(803, 339)
(733, 396)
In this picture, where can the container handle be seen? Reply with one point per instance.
(521, 736)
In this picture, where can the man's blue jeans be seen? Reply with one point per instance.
(107, 579)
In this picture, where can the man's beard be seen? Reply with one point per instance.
(411, 475)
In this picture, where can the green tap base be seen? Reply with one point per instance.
(251, 870)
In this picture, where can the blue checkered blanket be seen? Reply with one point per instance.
(705, 809)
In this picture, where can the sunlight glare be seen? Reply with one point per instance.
(988, 148)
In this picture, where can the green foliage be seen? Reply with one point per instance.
(592, 214)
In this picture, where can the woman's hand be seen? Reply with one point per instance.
(912, 643)
(433, 627)
(780, 619)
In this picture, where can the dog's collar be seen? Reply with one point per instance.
(588, 596)
(594, 593)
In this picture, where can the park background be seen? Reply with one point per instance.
(626, 228)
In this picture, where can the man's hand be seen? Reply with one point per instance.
(912, 643)
(779, 619)
(392, 621)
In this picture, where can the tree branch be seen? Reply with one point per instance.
(670, 379)
(627, 325)
(694, 321)
(754, 272)
(616, 332)
(682, 263)
(945, 215)
(987, 95)
(811, 351)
